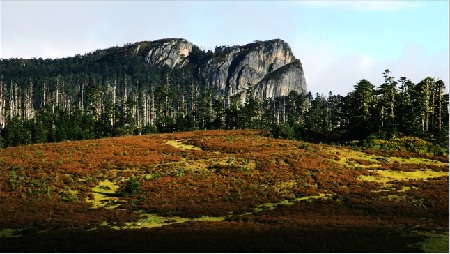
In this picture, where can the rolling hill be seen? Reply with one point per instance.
(222, 191)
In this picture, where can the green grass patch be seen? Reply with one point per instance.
(436, 243)
(385, 176)
(352, 158)
(103, 195)
(10, 232)
(153, 221)
(270, 206)
(417, 161)
(179, 145)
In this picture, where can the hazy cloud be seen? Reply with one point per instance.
(416, 63)
(364, 5)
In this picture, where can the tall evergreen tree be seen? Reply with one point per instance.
(362, 102)
(422, 103)
(386, 103)
(405, 112)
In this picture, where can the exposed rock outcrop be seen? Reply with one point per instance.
(268, 68)
(170, 52)
(234, 70)
(289, 76)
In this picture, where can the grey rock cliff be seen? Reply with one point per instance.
(170, 52)
(234, 70)
(268, 68)
(283, 80)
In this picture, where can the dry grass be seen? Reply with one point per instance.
(206, 176)
(180, 145)
(385, 176)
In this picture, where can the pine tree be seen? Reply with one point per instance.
(362, 103)
(422, 104)
(405, 112)
(335, 109)
(386, 103)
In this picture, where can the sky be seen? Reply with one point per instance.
(338, 42)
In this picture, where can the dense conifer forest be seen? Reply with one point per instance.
(109, 93)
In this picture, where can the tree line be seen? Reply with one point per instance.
(112, 94)
(410, 109)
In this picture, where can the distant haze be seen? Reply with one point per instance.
(338, 42)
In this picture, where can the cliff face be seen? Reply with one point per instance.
(268, 68)
(234, 70)
(283, 80)
(170, 52)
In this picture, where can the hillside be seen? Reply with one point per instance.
(220, 191)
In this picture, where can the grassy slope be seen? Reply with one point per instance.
(224, 181)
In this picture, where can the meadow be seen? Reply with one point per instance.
(220, 191)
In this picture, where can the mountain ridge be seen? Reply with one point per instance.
(146, 71)
(230, 69)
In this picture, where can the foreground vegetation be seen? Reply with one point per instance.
(221, 191)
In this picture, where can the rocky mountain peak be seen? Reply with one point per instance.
(233, 70)
(236, 69)
(171, 52)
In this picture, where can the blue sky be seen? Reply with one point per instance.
(338, 42)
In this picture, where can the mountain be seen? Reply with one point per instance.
(150, 80)
(267, 67)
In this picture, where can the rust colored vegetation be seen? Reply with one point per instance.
(221, 180)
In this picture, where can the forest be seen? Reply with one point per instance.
(110, 93)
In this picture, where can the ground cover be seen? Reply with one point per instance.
(224, 181)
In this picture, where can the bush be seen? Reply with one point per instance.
(132, 187)
(149, 129)
(283, 131)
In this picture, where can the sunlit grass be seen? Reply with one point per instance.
(180, 145)
(415, 160)
(153, 221)
(100, 195)
(351, 158)
(346, 157)
(385, 176)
